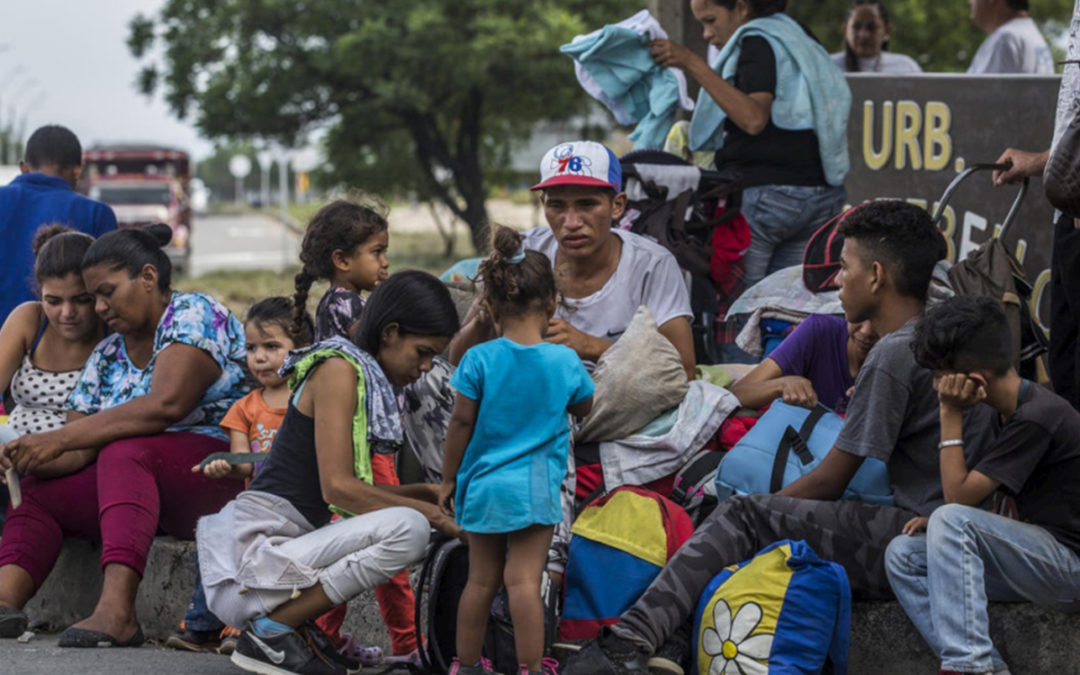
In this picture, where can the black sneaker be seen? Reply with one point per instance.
(281, 654)
(672, 657)
(13, 622)
(319, 640)
(194, 640)
(608, 655)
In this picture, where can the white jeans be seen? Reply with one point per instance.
(355, 554)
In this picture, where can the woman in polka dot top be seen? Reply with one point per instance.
(44, 345)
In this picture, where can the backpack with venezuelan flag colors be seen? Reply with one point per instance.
(620, 543)
(784, 611)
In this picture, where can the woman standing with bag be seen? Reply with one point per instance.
(775, 108)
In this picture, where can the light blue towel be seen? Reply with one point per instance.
(621, 64)
(811, 92)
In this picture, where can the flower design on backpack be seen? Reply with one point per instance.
(733, 650)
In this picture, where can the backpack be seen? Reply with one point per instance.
(695, 484)
(786, 444)
(783, 611)
(619, 543)
(444, 574)
(992, 271)
(675, 204)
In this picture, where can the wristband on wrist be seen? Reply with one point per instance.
(950, 444)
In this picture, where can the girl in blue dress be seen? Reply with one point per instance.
(506, 450)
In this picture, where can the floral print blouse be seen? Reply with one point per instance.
(338, 310)
(110, 379)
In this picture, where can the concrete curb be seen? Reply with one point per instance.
(883, 641)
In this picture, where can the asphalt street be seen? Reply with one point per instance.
(242, 242)
(41, 656)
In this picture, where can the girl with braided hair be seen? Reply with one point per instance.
(345, 244)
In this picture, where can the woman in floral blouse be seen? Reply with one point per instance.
(145, 409)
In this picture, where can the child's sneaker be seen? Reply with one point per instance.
(412, 658)
(193, 640)
(483, 668)
(229, 636)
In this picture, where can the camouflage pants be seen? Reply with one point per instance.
(428, 404)
(850, 533)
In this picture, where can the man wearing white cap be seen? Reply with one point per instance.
(604, 274)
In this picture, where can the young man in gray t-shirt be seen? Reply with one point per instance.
(887, 264)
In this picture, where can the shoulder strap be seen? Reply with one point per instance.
(794, 441)
(40, 333)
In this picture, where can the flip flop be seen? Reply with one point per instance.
(83, 638)
(13, 622)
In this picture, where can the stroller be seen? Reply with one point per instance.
(679, 206)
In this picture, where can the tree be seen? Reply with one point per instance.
(939, 35)
(426, 95)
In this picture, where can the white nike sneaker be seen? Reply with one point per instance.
(281, 654)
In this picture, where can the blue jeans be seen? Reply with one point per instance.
(198, 616)
(968, 556)
(782, 219)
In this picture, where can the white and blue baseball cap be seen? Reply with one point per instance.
(580, 163)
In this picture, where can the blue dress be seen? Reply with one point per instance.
(510, 475)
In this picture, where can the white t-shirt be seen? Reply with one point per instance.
(1016, 46)
(886, 62)
(647, 275)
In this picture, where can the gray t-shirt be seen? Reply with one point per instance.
(893, 416)
(647, 275)
(1016, 46)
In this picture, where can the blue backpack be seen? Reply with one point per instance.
(773, 455)
(784, 611)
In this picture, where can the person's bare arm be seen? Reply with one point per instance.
(749, 112)
(182, 374)
(331, 394)
(582, 409)
(767, 382)
(458, 435)
(681, 335)
(476, 328)
(16, 337)
(827, 480)
(588, 347)
(957, 393)
(1024, 165)
(65, 464)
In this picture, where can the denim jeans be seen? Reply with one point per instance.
(969, 556)
(198, 616)
(782, 219)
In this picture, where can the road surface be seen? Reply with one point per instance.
(41, 656)
(244, 242)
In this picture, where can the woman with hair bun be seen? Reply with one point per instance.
(147, 407)
(775, 109)
(44, 344)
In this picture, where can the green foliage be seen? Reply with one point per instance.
(938, 35)
(418, 94)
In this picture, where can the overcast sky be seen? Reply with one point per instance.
(76, 52)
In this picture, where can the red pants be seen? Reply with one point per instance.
(395, 597)
(136, 487)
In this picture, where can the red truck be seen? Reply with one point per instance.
(144, 184)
